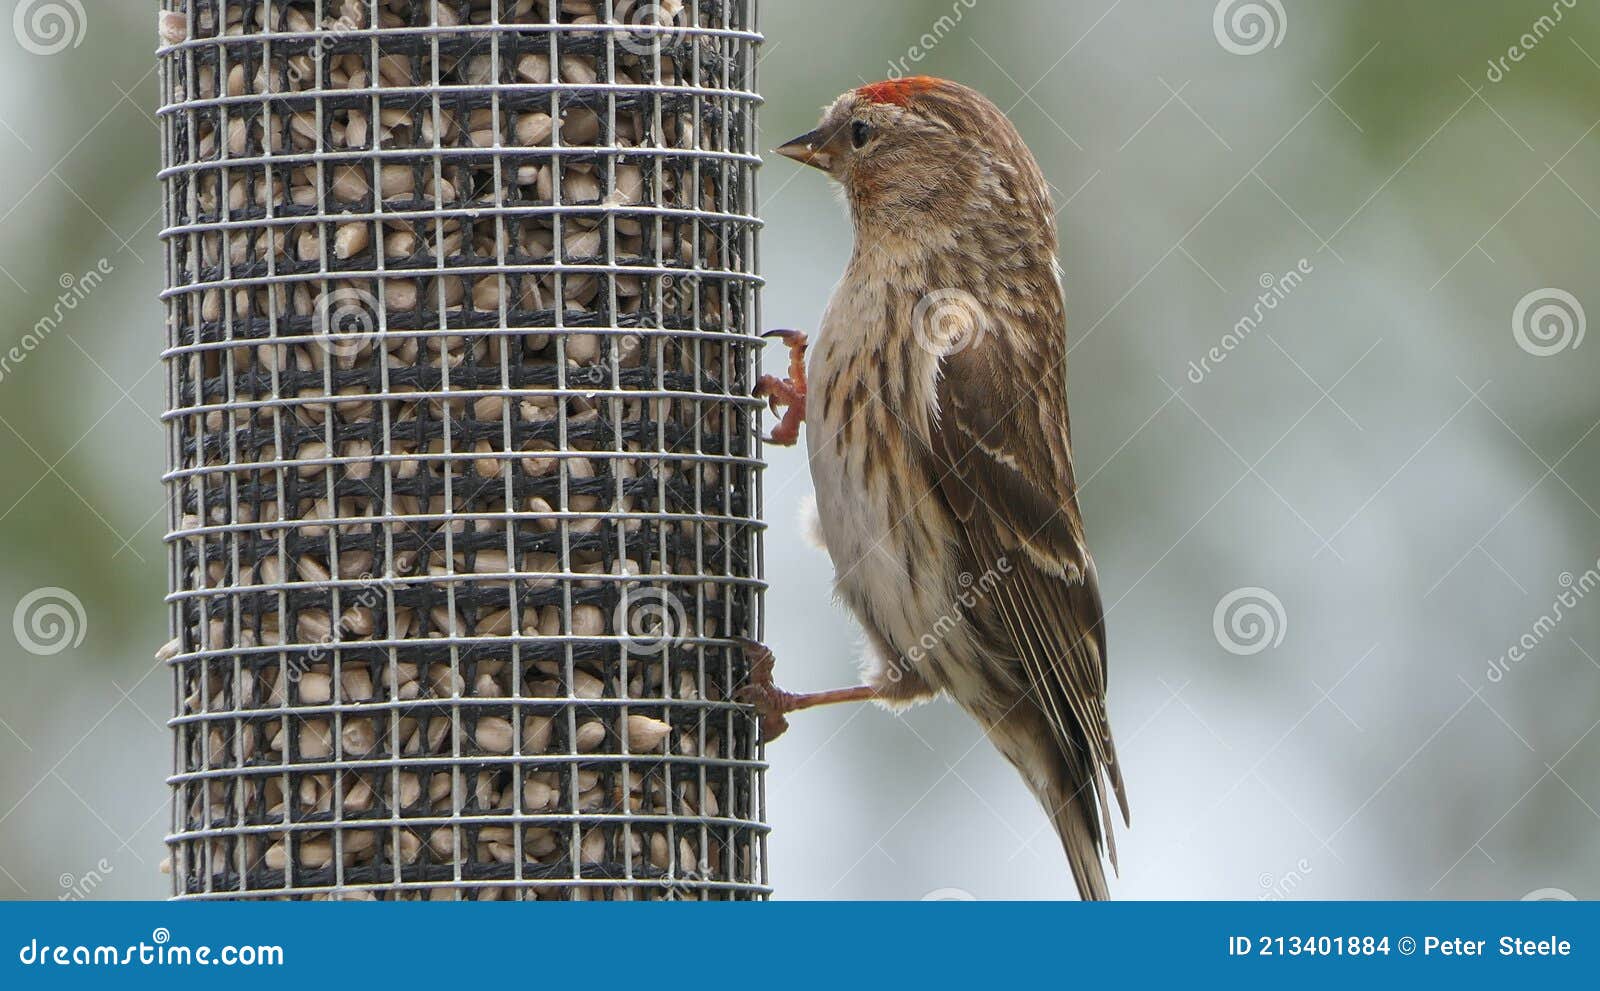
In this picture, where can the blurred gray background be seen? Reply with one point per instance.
(1316, 552)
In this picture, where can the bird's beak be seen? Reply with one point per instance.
(808, 149)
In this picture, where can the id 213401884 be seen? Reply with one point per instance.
(1382, 946)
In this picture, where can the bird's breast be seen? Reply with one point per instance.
(891, 538)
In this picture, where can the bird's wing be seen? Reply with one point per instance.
(1004, 460)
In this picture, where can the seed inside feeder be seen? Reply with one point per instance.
(416, 501)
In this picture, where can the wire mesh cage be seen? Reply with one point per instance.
(463, 461)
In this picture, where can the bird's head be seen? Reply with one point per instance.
(909, 152)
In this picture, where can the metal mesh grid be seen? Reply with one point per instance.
(463, 464)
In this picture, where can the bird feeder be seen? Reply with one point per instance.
(463, 464)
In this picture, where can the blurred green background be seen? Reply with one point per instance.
(1396, 472)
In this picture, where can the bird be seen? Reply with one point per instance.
(934, 407)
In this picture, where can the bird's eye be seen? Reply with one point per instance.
(860, 133)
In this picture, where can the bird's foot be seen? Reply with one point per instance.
(773, 704)
(787, 396)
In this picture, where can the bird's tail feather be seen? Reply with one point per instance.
(1067, 792)
(1073, 815)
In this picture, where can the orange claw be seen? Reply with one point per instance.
(773, 704)
(787, 392)
(770, 701)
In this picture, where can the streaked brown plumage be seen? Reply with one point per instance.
(939, 446)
